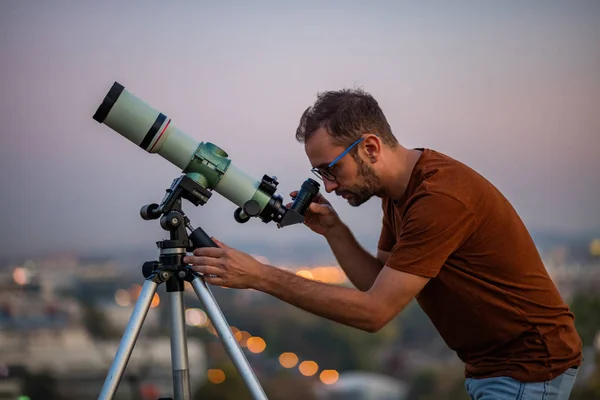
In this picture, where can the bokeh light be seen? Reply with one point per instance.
(216, 376)
(123, 298)
(196, 317)
(308, 368)
(288, 360)
(329, 376)
(20, 276)
(305, 274)
(256, 344)
(155, 301)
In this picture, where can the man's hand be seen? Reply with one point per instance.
(226, 266)
(320, 216)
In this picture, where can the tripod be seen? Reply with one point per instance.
(169, 269)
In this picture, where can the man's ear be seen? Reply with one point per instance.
(373, 148)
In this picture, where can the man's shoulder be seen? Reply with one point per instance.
(445, 175)
(437, 174)
(434, 163)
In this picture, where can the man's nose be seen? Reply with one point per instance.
(330, 185)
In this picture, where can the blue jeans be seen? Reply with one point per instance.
(505, 388)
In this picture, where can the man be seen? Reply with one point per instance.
(448, 238)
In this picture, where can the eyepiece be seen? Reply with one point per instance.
(307, 193)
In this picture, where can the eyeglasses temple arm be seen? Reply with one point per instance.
(345, 152)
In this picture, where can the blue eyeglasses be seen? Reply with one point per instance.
(325, 172)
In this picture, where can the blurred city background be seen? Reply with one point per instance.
(510, 88)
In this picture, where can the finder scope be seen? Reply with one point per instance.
(205, 163)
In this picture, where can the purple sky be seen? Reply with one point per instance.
(511, 89)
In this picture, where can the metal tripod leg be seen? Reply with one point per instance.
(130, 336)
(179, 353)
(226, 335)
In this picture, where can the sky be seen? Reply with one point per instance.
(510, 88)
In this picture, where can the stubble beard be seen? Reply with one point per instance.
(368, 187)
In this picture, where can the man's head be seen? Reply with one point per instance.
(344, 133)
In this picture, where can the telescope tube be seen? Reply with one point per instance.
(206, 163)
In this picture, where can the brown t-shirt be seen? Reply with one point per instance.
(489, 296)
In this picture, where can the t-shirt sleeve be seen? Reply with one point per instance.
(433, 227)
(387, 240)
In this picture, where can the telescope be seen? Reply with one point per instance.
(206, 166)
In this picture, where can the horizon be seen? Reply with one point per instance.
(544, 241)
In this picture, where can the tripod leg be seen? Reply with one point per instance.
(226, 336)
(179, 353)
(130, 336)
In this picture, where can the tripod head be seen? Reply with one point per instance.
(172, 217)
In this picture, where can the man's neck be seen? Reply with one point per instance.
(402, 164)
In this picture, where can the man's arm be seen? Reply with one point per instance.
(431, 232)
(367, 310)
(358, 264)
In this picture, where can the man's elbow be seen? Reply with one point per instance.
(380, 317)
(372, 328)
(377, 322)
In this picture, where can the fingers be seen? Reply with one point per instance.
(214, 280)
(319, 209)
(293, 196)
(207, 270)
(220, 244)
(215, 252)
(201, 260)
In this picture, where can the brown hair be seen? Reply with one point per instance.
(346, 115)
